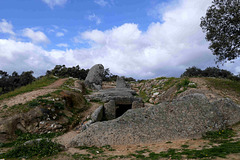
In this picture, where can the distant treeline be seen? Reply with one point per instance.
(63, 71)
(210, 72)
(109, 77)
(10, 82)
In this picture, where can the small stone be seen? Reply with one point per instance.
(155, 94)
(151, 100)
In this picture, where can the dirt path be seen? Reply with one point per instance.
(66, 138)
(25, 97)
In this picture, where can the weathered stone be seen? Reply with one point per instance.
(155, 94)
(120, 95)
(94, 77)
(137, 104)
(86, 125)
(97, 115)
(186, 117)
(121, 83)
(9, 125)
(151, 100)
(110, 110)
(157, 100)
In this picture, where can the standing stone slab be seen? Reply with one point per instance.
(94, 77)
(121, 83)
(110, 110)
(97, 115)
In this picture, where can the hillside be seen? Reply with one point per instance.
(66, 110)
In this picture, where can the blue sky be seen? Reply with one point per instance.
(143, 39)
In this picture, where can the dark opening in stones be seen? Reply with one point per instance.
(122, 108)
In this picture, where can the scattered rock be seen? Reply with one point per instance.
(155, 94)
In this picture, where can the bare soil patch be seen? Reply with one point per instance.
(23, 98)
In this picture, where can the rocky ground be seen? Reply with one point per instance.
(153, 92)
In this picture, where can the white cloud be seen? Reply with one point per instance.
(64, 30)
(6, 27)
(62, 45)
(22, 56)
(53, 3)
(101, 2)
(59, 34)
(35, 36)
(95, 18)
(164, 49)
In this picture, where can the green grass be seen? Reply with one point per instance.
(23, 137)
(42, 148)
(68, 83)
(168, 142)
(161, 78)
(170, 82)
(44, 81)
(184, 146)
(223, 138)
(220, 136)
(183, 85)
(93, 150)
(222, 151)
(224, 84)
(23, 108)
(81, 156)
(144, 96)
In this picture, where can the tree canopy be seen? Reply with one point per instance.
(222, 27)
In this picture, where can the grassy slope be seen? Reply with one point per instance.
(45, 81)
(224, 84)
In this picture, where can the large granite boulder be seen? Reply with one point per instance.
(94, 77)
(187, 117)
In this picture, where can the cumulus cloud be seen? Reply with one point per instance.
(164, 49)
(53, 3)
(6, 27)
(59, 34)
(102, 3)
(62, 45)
(22, 56)
(94, 18)
(35, 36)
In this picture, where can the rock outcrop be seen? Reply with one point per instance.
(116, 101)
(187, 117)
(24, 122)
(94, 77)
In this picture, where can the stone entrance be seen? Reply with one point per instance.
(122, 108)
